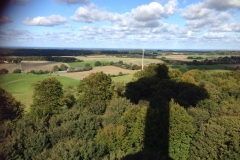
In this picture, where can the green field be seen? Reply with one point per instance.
(125, 78)
(19, 85)
(201, 67)
(82, 64)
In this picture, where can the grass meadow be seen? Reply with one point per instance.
(124, 78)
(19, 85)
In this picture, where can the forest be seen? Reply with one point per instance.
(160, 114)
(37, 58)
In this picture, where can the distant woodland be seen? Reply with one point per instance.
(160, 114)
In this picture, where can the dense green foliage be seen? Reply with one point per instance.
(3, 71)
(17, 71)
(95, 87)
(47, 97)
(161, 114)
(10, 109)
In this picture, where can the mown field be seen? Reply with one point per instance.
(20, 85)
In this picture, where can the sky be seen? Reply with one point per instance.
(136, 24)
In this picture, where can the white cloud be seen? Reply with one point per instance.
(52, 20)
(223, 4)
(212, 20)
(154, 11)
(143, 16)
(230, 27)
(196, 11)
(92, 13)
(73, 1)
(214, 35)
(235, 27)
(15, 35)
(170, 7)
(5, 20)
(200, 17)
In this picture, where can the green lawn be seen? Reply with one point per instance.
(19, 85)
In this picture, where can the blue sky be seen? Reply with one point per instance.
(162, 24)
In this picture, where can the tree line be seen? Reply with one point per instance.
(16, 60)
(160, 114)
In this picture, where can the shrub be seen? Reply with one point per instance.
(17, 71)
(97, 63)
(3, 71)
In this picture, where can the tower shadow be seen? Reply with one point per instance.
(158, 93)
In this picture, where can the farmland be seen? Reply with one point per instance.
(20, 85)
(160, 96)
(112, 70)
(30, 65)
(137, 61)
(184, 57)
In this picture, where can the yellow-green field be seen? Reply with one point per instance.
(112, 70)
(137, 61)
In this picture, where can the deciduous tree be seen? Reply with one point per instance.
(97, 86)
(10, 108)
(47, 97)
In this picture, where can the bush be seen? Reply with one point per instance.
(97, 63)
(3, 71)
(33, 72)
(120, 74)
(17, 71)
